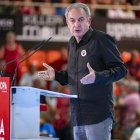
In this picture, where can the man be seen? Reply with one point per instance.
(94, 63)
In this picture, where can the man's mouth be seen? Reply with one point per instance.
(77, 31)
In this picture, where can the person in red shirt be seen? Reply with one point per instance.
(61, 63)
(9, 51)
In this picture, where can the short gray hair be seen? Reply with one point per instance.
(78, 6)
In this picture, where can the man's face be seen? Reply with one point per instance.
(10, 38)
(78, 23)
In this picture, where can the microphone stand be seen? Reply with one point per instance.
(37, 48)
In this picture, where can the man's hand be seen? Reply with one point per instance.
(48, 74)
(89, 78)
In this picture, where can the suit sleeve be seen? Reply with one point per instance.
(115, 68)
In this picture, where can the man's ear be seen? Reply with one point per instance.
(89, 19)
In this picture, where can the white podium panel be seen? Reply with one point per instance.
(25, 116)
(25, 112)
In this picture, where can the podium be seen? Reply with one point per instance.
(20, 111)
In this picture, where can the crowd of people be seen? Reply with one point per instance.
(127, 97)
(47, 7)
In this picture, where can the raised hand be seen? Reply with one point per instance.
(48, 74)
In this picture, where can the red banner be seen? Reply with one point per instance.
(4, 108)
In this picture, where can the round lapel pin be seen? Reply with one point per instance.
(83, 53)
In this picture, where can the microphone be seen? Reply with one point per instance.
(9, 62)
(37, 48)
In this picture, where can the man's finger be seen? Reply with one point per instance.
(46, 65)
(89, 67)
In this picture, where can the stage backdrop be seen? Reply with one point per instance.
(33, 28)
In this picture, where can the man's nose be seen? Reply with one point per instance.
(77, 23)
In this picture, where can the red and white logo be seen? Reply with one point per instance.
(3, 86)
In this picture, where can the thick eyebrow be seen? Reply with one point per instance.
(78, 18)
(71, 18)
(81, 17)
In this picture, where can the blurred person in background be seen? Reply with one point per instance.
(116, 12)
(136, 133)
(47, 8)
(27, 8)
(60, 64)
(46, 122)
(94, 63)
(128, 12)
(129, 102)
(133, 64)
(60, 11)
(117, 129)
(27, 78)
(10, 51)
